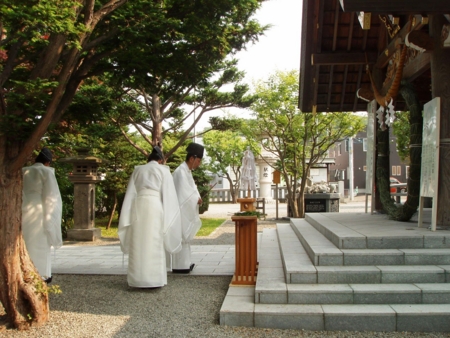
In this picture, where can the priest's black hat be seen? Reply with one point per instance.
(195, 149)
(44, 156)
(156, 154)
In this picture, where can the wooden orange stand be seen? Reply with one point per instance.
(246, 250)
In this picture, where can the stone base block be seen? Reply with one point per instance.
(84, 235)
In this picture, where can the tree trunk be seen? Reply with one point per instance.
(157, 120)
(22, 291)
(112, 212)
(234, 193)
(301, 198)
(383, 169)
(440, 73)
(291, 198)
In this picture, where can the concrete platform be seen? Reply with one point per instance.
(348, 272)
(210, 260)
(364, 231)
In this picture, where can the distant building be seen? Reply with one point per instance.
(340, 152)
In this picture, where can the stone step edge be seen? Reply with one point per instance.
(323, 251)
(341, 236)
(346, 238)
(418, 293)
(390, 274)
(270, 268)
(241, 311)
(291, 247)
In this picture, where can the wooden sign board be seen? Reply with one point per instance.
(429, 177)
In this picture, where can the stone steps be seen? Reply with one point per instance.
(345, 232)
(329, 278)
(422, 317)
(296, 262)
(323, 252)
(429, 293)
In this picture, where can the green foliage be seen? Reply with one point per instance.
(258, 214)
(401, 129)
(225, 150)
(50, 48)
(201, 176)
(298, 140)
(209, 225)
(202, 179)
(225, 123)
(67, 195)
(102, 222)
(404, 212)
(35, 21)
(42, 288)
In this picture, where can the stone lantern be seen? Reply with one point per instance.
(84, 176)
(264, 160)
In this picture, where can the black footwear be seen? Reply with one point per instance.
(181, 270)
(191, 267)
(48, 280)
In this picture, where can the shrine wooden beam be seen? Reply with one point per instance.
(386, 55)
(417, 67)
(358, 85)
(397, 6)
(306, 94)
(322, 108)
(328, 59)
(413, 69)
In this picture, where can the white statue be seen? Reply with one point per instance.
(248, 171)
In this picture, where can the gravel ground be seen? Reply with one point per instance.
(104, 306)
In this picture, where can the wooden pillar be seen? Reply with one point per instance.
(246, 250)
(440, 84)
(376, 200)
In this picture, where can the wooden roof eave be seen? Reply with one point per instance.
(396, 7)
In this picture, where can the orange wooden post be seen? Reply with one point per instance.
(246, 250)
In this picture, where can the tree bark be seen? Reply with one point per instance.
(112, 211)
(157, 120)
(440, 73)
(233, 192)
(22, 291)
(292, 199)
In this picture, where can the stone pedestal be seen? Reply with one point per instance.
(322, 202)
(84, 235)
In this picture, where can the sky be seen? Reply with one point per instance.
(278, 49)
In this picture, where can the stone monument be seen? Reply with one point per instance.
(248, 176)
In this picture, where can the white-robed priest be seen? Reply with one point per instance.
(41, 212)
(149, 223)
(189, 200)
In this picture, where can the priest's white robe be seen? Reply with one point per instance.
(41, 215)
(149, 224)
(188, 196)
